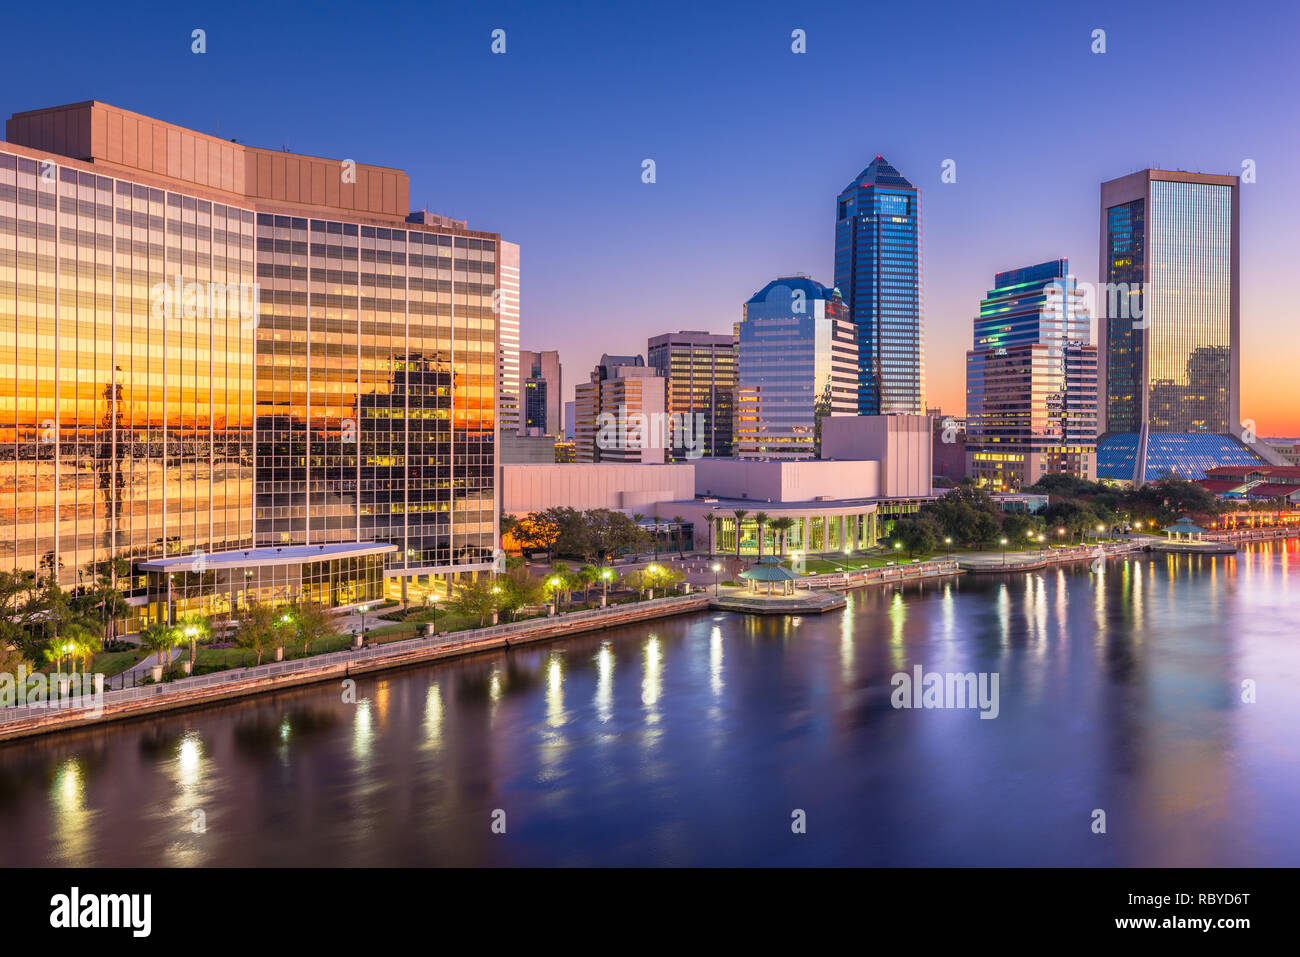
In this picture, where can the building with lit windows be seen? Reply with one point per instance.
(701, 371)
(878, 271)
(249, 372)
(541, 403)
(1031, 381)
(1169, 327)
(507, 315)
(796, 364)
(622, 413)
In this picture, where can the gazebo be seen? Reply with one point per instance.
(770, 570)
(1185, 530)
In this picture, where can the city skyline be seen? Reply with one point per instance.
(547, 197)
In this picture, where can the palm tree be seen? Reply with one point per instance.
(712, 520)
(196, 628)
(782, 526)
(638, 518)
(82, 643)
(159, 638)
(678, 520)
(761, 519)
(740, 514)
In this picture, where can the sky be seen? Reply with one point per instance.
(751, 142)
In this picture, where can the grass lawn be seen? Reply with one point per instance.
(109, 663)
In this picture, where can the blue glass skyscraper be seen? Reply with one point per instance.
(878, 271)
(1031, 381)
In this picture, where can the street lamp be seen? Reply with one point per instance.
(363, 609)
(555, 594)
(948, 542)
(605, 575)
(1004, 551)
(716, 568)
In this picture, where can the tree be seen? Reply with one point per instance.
(518, 589)
(781, 526)
(159, 638)
(637, 519)
(477, 597)
(760, 521)
(608, 532)
(12, 658)
(260, 627)
(559, 574)
(1016, 528)
(678, 521)
(311, 621)
(81, 643)
(917, 533)
(536, 533)
(508, 524)
(106, 595)
(588, 575)
(194, 628)
(740, 514)
(712, 521)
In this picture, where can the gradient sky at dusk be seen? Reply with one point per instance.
(752, 142)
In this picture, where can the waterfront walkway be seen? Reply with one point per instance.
(26, 720)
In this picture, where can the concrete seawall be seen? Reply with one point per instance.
(209, 689)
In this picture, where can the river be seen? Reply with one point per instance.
(1163, 692)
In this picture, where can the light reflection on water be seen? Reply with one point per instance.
(691, 740)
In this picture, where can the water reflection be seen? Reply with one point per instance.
(683, 742)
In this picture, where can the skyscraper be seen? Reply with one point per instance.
(621, 413)
(243, 370)
(1031, 381)
(1169, 326)
(878, 271)
(701, 371)
(508, 398)
(541, 402)
(797, 363)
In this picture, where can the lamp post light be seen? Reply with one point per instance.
(948, 541)
(1042, 545)
(716, 568)
(363, 609)
(605, 575)
(653, 571)
(1004, 551)
(1100, 528)
(555, 595)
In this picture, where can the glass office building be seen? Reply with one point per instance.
(796, 356)
(878, 271)
(1031, 381)
(1169, 326)
(213, 355)
(701, 371)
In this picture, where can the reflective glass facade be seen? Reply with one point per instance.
(1031, 381)
(1189, 338)
(216, 348)
(1169, 323)
(361, 435)
(878, 271)
(123, 429)
(701, 373)
(797, 364)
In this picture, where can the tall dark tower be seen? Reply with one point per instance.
(878, 271)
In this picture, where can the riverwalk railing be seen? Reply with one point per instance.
(468, 638)
(883, 573)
